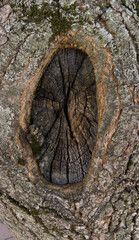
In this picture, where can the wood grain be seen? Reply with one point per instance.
(64, 117)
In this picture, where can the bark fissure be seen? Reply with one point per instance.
(55, 142)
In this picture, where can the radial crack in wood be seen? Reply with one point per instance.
(64, 117)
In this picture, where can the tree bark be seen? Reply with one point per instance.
(103, 204)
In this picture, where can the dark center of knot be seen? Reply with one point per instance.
(64, 117)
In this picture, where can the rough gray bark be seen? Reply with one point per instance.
(104, 205)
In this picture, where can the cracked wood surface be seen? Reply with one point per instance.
(64, 117)
(104, 205)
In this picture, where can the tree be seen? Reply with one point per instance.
(104, 204)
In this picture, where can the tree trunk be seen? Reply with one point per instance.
(78, 196)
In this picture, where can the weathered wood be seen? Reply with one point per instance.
(64, 117)
(36, 38)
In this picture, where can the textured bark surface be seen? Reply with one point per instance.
(104, 205)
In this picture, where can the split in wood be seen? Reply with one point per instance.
(64, 117)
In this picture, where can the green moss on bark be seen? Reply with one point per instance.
(35, 146)
(20, 139)
(137, 8)
(21, 162)
(60, 18)
(123, 2)
(1, 193)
